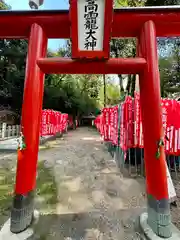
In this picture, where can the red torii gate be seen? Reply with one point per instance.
(143, 23)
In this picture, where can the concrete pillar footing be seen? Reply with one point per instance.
(5, 232)
(150, 235)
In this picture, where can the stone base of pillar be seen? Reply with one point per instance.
(22, 212)
(150, 235)
(5, 232)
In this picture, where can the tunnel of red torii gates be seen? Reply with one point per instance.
(145, 24)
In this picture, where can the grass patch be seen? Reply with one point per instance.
(7, 179)
(46, 188)
(46, 185)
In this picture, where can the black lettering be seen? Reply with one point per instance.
(90, 16)
(90, 45)
(91, 34)
(91, 24)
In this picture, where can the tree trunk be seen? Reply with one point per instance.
(133, 85)
(104, 79)
(128, 88)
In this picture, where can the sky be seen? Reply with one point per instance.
(53, 44)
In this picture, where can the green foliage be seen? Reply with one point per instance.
(112, 94)
(125, 47)
(170, 72)
(128, 3)
(169, 57)
(74, 94)
(162, 2)
(3, 5)
(12, 68)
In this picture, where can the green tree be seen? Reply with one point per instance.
(112, 93)
(162, 2)
(12, 68)
(4, 6)
(125, 47)
(169, 57)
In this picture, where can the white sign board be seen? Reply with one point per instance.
(91, 25)
(171, 189)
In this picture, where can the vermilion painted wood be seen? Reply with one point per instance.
(113, 65)
(127, 22)
(76, 53)
(56, 24)
(31, 112)
(150, 98)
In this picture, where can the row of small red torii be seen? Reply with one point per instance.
(53, 122)
(131, 134)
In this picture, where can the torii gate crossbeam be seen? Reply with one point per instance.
(166, 20)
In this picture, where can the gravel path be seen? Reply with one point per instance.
(80, 192)
(93, 200)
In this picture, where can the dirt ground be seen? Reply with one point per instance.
(80, 192)
(175, 210)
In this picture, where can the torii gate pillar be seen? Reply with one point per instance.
(23, 204)
(158, 219)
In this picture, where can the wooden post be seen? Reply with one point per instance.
(4, 125)
(23, 207)
(159, 218)
(9, 131)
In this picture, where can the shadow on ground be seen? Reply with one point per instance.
(86, 225)
(80, 194)
(75, 225)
